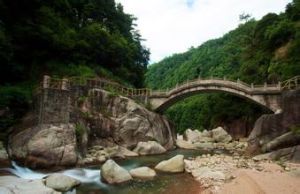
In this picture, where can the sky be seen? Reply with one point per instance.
(174, 26)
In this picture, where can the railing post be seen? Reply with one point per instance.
(224, 78)
(252, 85)
(279, 85)
(265, 85)
(238, 80)
(46, 81)
(64, 84)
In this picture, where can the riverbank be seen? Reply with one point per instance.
(223, 174)
(208, 173)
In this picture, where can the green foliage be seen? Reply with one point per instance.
(80, 129)
(14, 102)
(256, 52)
(295, 129)
(64, 38)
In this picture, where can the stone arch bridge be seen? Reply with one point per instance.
(268, 96)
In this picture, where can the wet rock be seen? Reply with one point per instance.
(220, 135)
(143, 173)
(149, 148)
(61, 182)
(12, 185)
(175, 164)
(127, 153)
(111, 172)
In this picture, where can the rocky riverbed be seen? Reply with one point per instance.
(239, 174)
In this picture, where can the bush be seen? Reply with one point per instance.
(14, 102)
(80, 129)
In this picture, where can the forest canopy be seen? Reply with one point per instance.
(64, 38)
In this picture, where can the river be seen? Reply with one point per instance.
(163, 183)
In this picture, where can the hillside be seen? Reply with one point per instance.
(260, 51)
(64, 38)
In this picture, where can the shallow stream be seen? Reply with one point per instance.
(164, 183)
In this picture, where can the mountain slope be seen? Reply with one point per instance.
(260, 51)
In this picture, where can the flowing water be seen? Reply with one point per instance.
(91, 182)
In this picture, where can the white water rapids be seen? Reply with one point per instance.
(81, 174)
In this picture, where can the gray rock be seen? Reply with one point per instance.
(261, 157)
(191, 135)
(61, 182)
(185, 144)
(126, 121)
(111, 172)
(148, 148)
(272, 127)
(45, 145)
(220, 135)
(287, 139)
(204, 146)
(127, 153)
(11, 184)
(112, 120)
(175, 164)
(143, 173)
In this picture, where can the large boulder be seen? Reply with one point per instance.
(11, 185)
(149, 148)
(125, 121)
(220, 135)
(291, 154)
(61, 182)
(175, 164)
(67, 123)
(269, 130)
(111, 172)
(45, 146)
(143, 173)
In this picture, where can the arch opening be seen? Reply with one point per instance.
(210, 109)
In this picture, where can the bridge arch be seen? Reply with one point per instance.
(267, 96)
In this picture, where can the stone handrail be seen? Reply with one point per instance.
(292, 83)
(219, 82)
(67, 83)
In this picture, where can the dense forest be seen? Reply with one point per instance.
(267, 50)
(64, 38)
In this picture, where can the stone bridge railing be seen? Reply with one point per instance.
(66, 84)
(251, 88)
